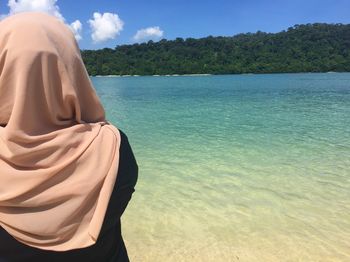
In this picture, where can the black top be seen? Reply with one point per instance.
(109, 246)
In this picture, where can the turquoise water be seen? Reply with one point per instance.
(236, 167)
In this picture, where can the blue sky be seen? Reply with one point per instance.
(182, 18)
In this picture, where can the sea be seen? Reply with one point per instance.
(236, 167)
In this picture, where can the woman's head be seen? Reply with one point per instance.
(58, 157)
(44, 85)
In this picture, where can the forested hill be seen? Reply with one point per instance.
(302, 48)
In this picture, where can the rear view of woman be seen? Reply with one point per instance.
(66, 174)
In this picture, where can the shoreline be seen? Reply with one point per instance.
(190, 75)
(152, 75)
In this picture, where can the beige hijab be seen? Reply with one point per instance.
(58, 155)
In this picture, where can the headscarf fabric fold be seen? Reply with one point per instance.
(58, 155)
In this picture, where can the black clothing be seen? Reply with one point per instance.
(109, 246)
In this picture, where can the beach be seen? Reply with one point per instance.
(236, 167)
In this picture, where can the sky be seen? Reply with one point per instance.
(108, 23)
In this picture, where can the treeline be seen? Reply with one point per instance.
(302, 48)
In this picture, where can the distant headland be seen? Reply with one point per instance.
(315, 47)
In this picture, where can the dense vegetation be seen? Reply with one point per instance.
(302, 48)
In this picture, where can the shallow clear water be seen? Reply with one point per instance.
(236, 168)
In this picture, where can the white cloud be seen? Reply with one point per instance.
(105, 26)
(47, 6)
(76, 28)
(149, 33)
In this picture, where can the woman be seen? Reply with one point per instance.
(66, 174)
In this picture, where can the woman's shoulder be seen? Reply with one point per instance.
(117, 132)
(125, 149)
